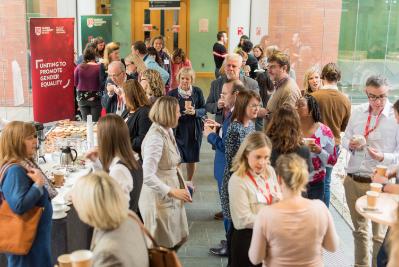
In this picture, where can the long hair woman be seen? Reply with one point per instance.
(311, 80)
(252, 186)
(245, 111)
(137, 115)
(284, 130)
(115, 156)
(24, 186)
(152, 83)
(321, 145)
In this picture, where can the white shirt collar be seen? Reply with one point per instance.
(385, 111)
(329, 86)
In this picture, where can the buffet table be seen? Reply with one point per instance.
(68, 232)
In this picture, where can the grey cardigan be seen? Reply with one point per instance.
(122, 247)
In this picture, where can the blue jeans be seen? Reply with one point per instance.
(382, 256)
(316, 190)
(327, 182)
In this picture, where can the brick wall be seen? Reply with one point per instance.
(14, 39)
(13, 47)
(315, 23)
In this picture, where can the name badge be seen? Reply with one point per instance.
(166, 62)
(261, 198)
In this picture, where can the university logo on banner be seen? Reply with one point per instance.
(38, 30)
(90, 22)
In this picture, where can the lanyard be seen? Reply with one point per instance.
(268, 200)
(367, 131)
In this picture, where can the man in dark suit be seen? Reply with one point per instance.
(232, 65)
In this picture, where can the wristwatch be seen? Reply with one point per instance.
(383, 186)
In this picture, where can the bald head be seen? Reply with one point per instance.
(117, 72)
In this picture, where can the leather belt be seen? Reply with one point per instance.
(360, 179)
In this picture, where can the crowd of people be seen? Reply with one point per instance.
(275, 148)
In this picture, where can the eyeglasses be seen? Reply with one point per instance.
(114, 75)
(127, 65)
(374, 98)
(143, 79)
(272, 66)
(255, 106)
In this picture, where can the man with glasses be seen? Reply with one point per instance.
(286, 89)
(372, 138)
(215, 104)
(112, 100)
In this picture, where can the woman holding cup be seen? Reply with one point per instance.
(115, 156)
(320, 140)
(252, 186)
(24, 186)
(189, 130)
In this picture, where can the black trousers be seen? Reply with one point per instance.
(92, 108)
(240, 242)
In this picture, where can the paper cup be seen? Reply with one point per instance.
(372, 199)
(381, 170)
(309, 141)
(376, 187)
(187, 104)
(64, 260)
(82, 258)
(58, 178)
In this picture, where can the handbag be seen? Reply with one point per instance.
(17, 232)
(158, 256)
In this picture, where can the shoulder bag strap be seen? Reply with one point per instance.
(3, 170)
(143, 229)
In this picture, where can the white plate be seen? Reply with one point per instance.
(60, 216)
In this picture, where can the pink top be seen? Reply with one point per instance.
(175, 71)
(283, 237)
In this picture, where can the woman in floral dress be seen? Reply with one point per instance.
(323, 153)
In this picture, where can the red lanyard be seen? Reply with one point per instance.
(367, 131)
(268, 200)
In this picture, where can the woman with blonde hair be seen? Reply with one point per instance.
(252, 186)
(115, 156)
(152, 83)
(137, 113)
(311, 80)
(189, 130)
(99, 202)
(24, 186)
(293, 231)
(134, 66)
(164, 192)
(111, 53)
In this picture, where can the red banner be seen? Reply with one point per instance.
(52, 66)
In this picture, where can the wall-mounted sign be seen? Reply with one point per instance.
(240, 30)
(203, 25)
(147, 27)
(164, 4)
(175, 28)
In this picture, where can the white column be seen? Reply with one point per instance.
(239, 20)
(84, 7)
(67, 9)
(259, 20)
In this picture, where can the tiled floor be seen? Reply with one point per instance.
(206, 232)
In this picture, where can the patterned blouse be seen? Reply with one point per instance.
(328, 155)
(234, 137)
